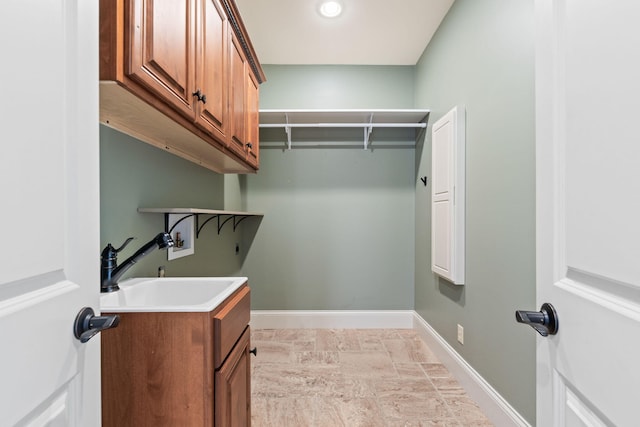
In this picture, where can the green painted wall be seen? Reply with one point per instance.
(134, 174)
(337, 86)
(338, 227)
(483, 57)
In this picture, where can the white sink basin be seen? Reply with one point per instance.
(169, 294)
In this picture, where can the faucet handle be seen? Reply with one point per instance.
(126, 242)
(109, 253)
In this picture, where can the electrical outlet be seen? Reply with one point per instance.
(460, 334)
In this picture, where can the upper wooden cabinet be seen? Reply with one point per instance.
(212, 75)
(162, 50)
(244, 112)
(252, 111)
(238, 98)
(180, 75)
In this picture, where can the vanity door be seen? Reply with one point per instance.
(233, 387)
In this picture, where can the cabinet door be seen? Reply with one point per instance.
(212, 76)
(253, 118)
(237, 100)
(161, 56)
(233, 387)
(448, 196)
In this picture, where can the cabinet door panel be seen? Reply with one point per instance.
(162, 50)
(229, 323)
(212, 76)
(153, 372)
(253, 118)
(233, 387)
(237, 101)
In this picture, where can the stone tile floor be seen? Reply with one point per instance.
(354, 377)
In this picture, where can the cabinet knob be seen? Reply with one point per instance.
(201, 97)
(249, 145)
(254, 351)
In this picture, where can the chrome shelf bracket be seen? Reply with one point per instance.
(367, 132)
(287, 129)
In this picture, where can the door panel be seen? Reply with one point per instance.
(587, 210)
(233, 386)
(441, 225)
(162, 50)
(253, 120)
(28, 344)
(601, 83)
(49, 185)
(237, 97)
(576, 412)
(442, 238)
(212, 69)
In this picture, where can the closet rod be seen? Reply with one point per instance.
(343, 125)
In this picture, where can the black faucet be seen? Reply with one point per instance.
(110, 271)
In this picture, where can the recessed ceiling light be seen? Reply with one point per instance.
(330, 9)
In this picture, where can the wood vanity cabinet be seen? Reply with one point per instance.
(169, 77)
(179, 368)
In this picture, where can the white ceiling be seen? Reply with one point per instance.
(369, 32)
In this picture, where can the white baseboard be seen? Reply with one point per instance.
(339, 319)
(497, 409)
(490, 401)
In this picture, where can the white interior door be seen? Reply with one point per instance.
(49, 216)
(588, 210)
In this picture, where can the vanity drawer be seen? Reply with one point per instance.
(229, 323)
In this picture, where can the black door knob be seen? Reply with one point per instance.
(544, 321)
(87, 325)
(254, 351)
